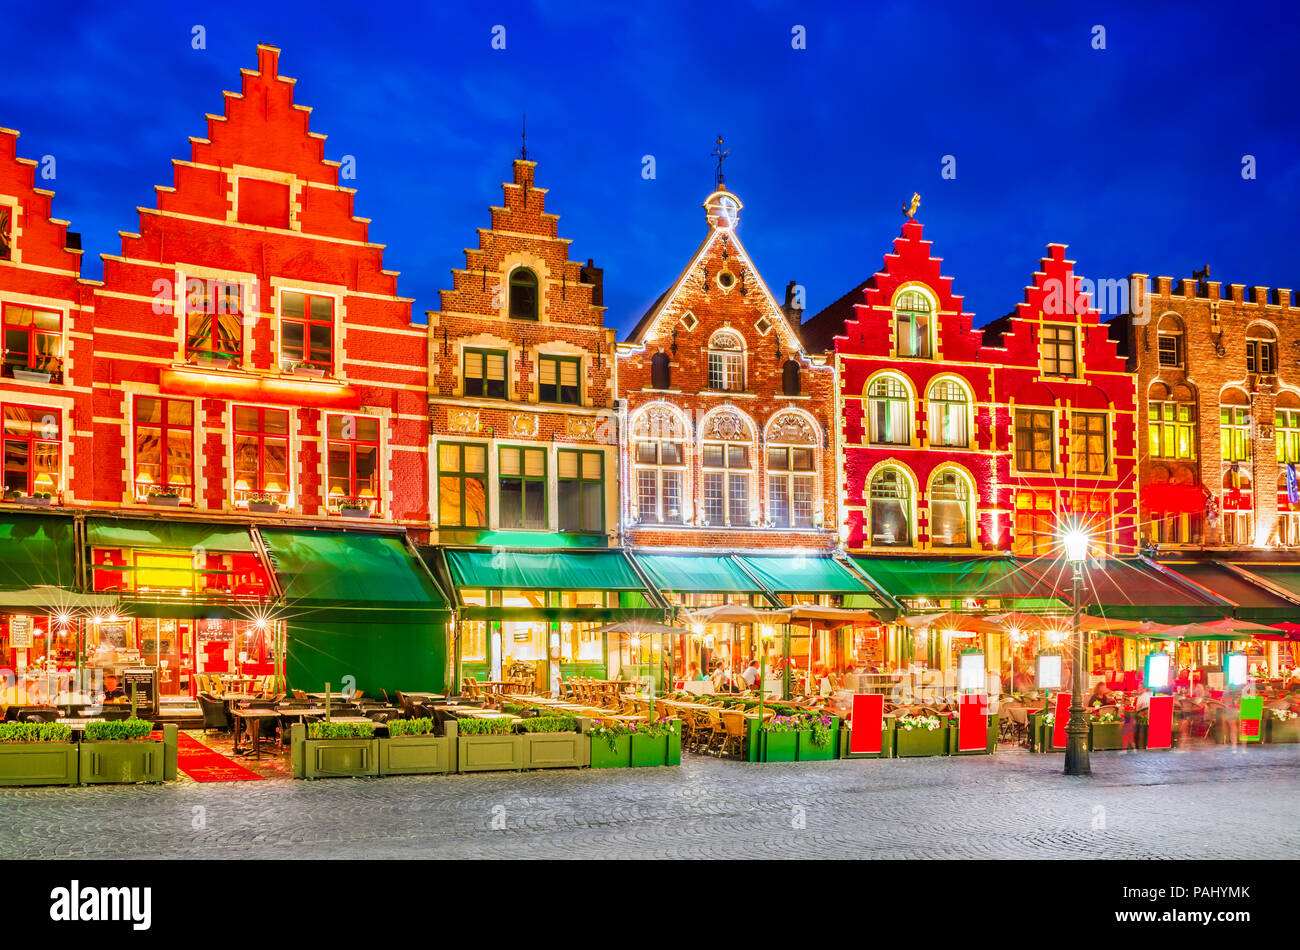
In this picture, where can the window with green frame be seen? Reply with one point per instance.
(559, 379)
(462, 485)
(1287, 433)
(485, 373)
(581, 483)
(522, 492)
(1234, 433)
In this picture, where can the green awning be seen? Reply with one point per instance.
(952, 579)
(354, 574)
(185, 535)
(604, 570)
(816, 575)
(1283, 576)
(37, 551)
(1131, 589)
(696, 573)
(1251, 600)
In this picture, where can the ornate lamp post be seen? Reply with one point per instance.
(1075, 542)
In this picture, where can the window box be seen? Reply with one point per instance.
(418, 755)
(354, 511)
(911, 743)
(32, 376)
(332, 758)
(34, 500)
(38, 763)
(305, 369)
(163, 501)
(264, 507)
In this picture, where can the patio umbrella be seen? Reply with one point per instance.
(952, 623)
(1281, 631)
(827, 618)
(744, 613)
(642, 628)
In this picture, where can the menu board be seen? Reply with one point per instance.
(145, 679)
(20, 632)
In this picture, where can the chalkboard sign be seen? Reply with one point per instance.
(20, 632)
(146, 689)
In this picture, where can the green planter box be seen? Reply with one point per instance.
(990, 745)
(649, 751)
(556, 750)
(807, 752)
(886, 743)
(121, 760)
(1277, 731)
(417, 755)
(1043, 737)
(675, 743)
(1105, 736)
(909, 743)
(780, 746)
(489, 753)
(38, 763)
(332, 758)
(603, 757)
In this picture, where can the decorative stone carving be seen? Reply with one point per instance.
(523, 425)
(727, 426)
(792, 428)
(580, 427)
(462, 420)
(658, 423)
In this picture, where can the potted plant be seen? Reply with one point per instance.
(306, 369)
(327, 749)
(164, 497)
(263, 504)
(412, 748)
(485, 745)
(354, 508)
(125, 751)
(818, 737)
(27, 375)
(553, 742)
(1281, 725)
(1105, 731)
(37, 498)
(919, 735)
(37, 753)
(780, 736)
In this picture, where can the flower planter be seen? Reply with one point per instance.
(649, 751)
(316, 371)
(674, 743)
(354, 512)
(416, 755)
(603, 757)
(1105, 736)
(121, 761)
(990, 745)
(808, 752)
(1042, 734)
(164, 501)
(32, 376)
(34, 501)
(1277, 731)
(886, 743)
(332, 758)
(780, 746)
(264, 507)
(910, 743)
(556, 750)
(38, 763)
(489, 753)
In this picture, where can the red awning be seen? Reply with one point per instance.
(1176, 499)
(284, 390)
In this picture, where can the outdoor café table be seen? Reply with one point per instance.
(326, 697)
(229, 698)
(250, 720)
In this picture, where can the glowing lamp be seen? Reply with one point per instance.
(1075, 542)
(64, 618)
(697, 629)
(261, 623)
(241, 485)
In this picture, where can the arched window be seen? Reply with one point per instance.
(912, 315)
(1170, 341)
(661, 372)
(890, 409)
(792, 444)
(891, 509)
(949, 414)
(726, 444)
(658, 438)
(790, 382)
(1171, 422)
(1234, 425)
(523, 294)
(726, 363)
(1238, 508)
(1261, 350)
(950, 519)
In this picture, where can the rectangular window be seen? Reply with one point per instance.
(213, 320)
(261, 462)
(1234, 433)
(33, 450)
(714, 499)
(485, 373)
(1171, 349)
(462, 485)
(33, 341)
(1058, 350)
(1089, 445)
(1287, 434)
(647, 494)
(790, 495)
(659, 489)
(6, 234)
(522, 489)
(1035, 440)
(725, 371)
(558, 377)
(306, 331)
(581, 490)
(726, 493)
(1035, 524)
(1171, 430)
(1260, 357)
(164, 448)
(353, 445)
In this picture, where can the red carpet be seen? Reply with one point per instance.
(205, 765)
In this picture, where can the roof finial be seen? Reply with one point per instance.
(523, 138)
(910, 210)
(718, 177)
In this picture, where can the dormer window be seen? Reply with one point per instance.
(1058, 350)
(523, 294)
(912, 317)
(726, 363)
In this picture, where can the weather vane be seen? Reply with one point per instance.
(910, 210)
(523, 137)
(718, 178)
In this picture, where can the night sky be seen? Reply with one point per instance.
(1132, 155)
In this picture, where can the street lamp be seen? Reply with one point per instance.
(1075, 541)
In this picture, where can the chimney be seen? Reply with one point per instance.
(591, 274)
(793, 310)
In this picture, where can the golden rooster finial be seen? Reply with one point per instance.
(910, 210)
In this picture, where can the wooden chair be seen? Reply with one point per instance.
(734, 734)
(717, 731)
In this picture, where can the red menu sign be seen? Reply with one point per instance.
(867, 734)
(973, 722)
(1160, 725)
(1062, 720)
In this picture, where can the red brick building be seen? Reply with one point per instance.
(1064, 419)
(919, 457)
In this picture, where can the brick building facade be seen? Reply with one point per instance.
(1218, 389)
(729, 436)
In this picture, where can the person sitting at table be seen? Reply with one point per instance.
(751, 675)
(1100, 695)
(113, 690)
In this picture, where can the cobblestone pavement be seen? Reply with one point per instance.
(1204, 803)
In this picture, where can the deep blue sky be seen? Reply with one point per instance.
(1131, 155)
